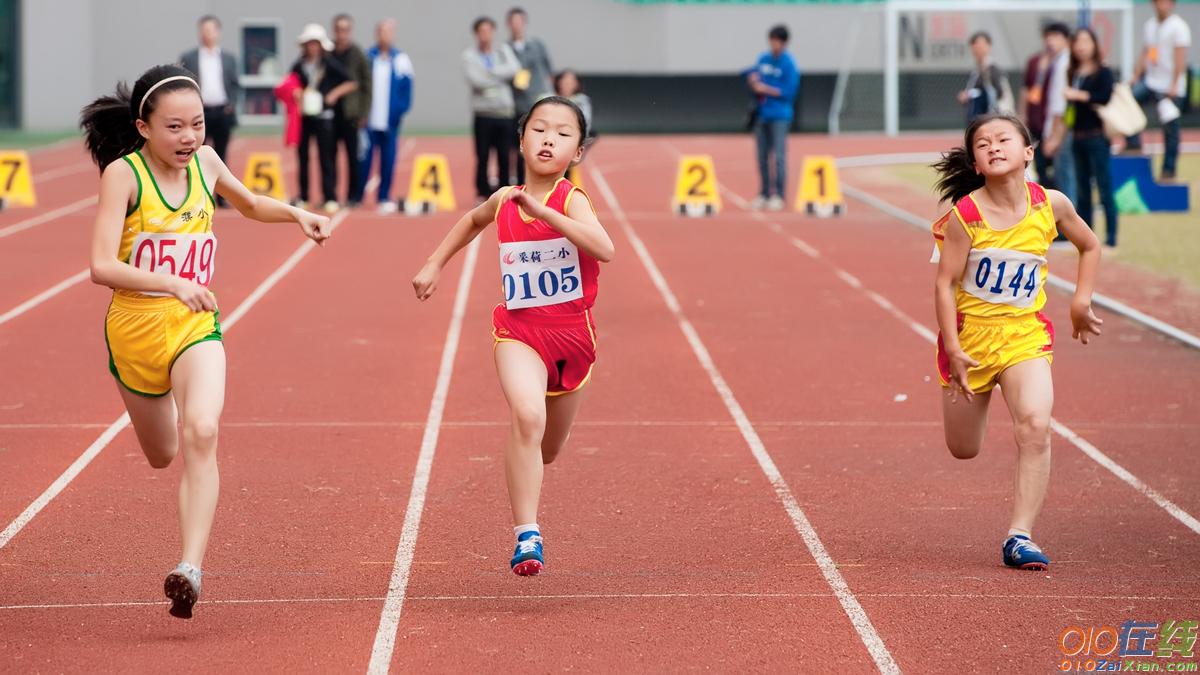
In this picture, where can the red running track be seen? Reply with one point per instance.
(667, 546)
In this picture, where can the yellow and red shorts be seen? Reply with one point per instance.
(146, 335)
(997, 343)
(566, 343)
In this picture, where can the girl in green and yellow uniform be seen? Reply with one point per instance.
(153, 244)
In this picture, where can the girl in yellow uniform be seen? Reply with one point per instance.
(989, 295)
(153, 244)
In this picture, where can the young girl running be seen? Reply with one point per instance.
(988, 297)
(545, 341)
(153, 245)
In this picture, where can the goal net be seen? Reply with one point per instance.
(905, 62)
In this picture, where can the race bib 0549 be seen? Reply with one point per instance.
(189, 256)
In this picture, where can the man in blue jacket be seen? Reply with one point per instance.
(391, 96)
(775, 81)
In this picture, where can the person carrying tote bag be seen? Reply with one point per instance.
(1122, 116)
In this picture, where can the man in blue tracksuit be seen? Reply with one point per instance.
(391, 96)
(775, 81)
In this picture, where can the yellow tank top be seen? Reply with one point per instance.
(1006, 269)
(169, 239)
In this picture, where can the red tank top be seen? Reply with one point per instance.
(513, 226)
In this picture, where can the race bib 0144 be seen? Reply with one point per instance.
(539, 273)
(1002, 276)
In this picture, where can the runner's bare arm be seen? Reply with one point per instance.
(579, 224)
(953, 261)
(464, 231)
(1083, 320)
(259, 207)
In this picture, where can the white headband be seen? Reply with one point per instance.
(161, 83)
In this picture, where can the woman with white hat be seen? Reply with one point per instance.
(324, 82)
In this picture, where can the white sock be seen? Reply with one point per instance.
(1015, 531)
(527, 527)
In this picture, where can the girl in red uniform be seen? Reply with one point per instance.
(551, 244)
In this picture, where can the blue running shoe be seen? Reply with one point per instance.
(1022, 553)
(527, 558)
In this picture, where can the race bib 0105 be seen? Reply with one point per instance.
(539, 273)
(1002, 276)
(189, 256)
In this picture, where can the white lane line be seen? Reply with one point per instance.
(123, 421)
(597, 596)
(48, 216)
(858, 616)
(1061, 429)
(44, 296)
(68, 170)
(389, 618)
(1111, 304)
(467, 424)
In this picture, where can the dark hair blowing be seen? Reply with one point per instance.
(109, 123)
(957, 177)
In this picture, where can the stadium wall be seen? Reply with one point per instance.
(649, 67)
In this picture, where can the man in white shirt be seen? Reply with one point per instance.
(216, 72)
(1056, 136)
(390, 99)
(1160, 76)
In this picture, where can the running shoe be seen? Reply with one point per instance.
(1022, 553)
(527, 559)
(183, 588)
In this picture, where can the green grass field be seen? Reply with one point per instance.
(1165, 243)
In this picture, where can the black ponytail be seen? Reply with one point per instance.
(956, 169)
(109, 123)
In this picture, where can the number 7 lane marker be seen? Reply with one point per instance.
(857, 615)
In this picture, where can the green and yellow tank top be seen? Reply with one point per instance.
(165, 239)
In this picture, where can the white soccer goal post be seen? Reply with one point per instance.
(940, 28)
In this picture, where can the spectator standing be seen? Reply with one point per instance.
(1033, 96)
(349, 116)
(774, 81)
(490, 69)
(1160, 76)
(568, 86)
(216, 71)
(987, 90)
(532, 81)
(323, 83)
(1091, 85)
(1056, 137)
(391, 97)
